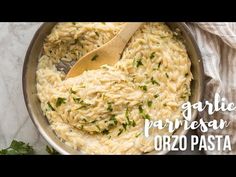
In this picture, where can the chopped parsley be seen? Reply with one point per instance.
(127, 115)
(120, 131)
(77, 100)
(113, 119)
(144, 115)
(81, 102)
(138, 134)
(157, 95)
(85, 120)
(154, 81)
(94, 57)
(51, 151)
(21, 148)
(124, 125)
(94, 121)
(50, 106)
(140, 109)
(152, 55)
(103, 23)
(109, 107)
(149, 103)
(133, 123)
(60, 101)
(105, 132)
(162, 37)
(143, 87)
(167, 75)
(77, 41)
(158, 66)
(129, 122)
(83, 106)
(185, 95)
(98, 127)
(82, 127)
(72, 91)
(97, 34)
(17, 148)
(138, 62)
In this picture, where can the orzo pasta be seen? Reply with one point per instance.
(103, 111)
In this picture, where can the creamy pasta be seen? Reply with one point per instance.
(103, 111)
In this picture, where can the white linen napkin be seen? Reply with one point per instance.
(217, 43)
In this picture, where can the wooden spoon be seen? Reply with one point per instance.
(109, 53)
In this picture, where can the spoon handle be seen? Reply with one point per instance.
(127, 32)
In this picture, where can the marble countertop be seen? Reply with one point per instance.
(15, 122)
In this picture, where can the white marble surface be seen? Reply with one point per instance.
(15, 122)
(14, 119)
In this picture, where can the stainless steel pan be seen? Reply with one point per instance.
(33, 104)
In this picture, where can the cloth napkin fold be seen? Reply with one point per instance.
(217, 43)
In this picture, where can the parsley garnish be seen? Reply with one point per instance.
(167, 75)
(94, 121)
(140, 109)
(60, 101)
(133, 123)
(159, 64)
(124, 125)
(51, 151)
(149, 103)
(77, 41)
(127, 115)
(185, 95)
(152, 55)
(81, 102)
(17, 148)
(77, 100)
(138, 62)
(144, 115)
(143, 87)
(109, 107)
(98, 127)
(97, 33)
(129, 123)
(94, 57)
(85, 120)
(154, 82)
(72, 91)
(113, 118)
(162, 37)
(50, 106)
(82, 127)
(157, 95)
(138, 134)
(105, 132)
(120, 131)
